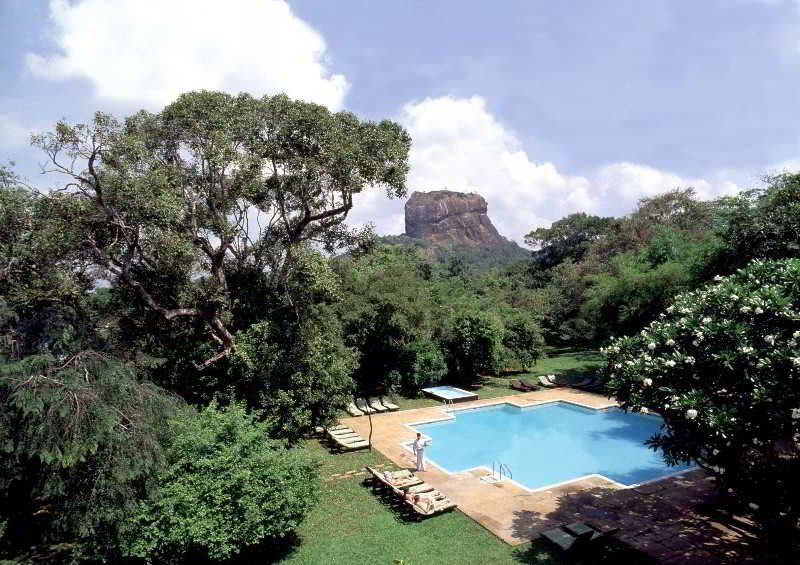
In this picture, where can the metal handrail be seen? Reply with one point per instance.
(500, 467)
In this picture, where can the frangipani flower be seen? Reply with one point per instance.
(647, 382)
(691, 414)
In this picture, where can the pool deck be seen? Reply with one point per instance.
(662, 518)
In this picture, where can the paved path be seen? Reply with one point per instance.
(664, 519)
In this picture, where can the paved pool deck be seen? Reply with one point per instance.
(663, 518)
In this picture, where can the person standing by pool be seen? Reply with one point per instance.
(419, 449)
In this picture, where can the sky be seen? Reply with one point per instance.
(545, 108)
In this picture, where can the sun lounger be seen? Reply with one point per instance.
(527, 384)
(585, 382)
(347, 436)
(341, 431)
(376, 405)
(545, 383)
(397, 482)
(517, 385)
(362, 405)
(389, 405)
(577, 536)
(353, 446)
(431, 505)
(352, 438)
(337, 427)
(424, 487)
(552, 380)
(353, 410)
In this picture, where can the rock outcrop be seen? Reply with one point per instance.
(447, 217)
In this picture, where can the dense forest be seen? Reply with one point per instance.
(192, 302)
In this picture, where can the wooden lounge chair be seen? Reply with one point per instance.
(517, 385)
(583, 383)
(527, 384)
(362, 405)
(353, 446)
(351, 438)
(545, 383)
(397, 481)
(389, 405)
(431, 504)
(341, 431)
(376, 405)
(424, 487)
(577, 536)
(353, 410)
(337, 427)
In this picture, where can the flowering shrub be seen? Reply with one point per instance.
(722, 366)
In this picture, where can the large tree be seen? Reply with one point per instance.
(722, 366)
(173, 205)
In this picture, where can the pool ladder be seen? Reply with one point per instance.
(500, 468)
(448, 404)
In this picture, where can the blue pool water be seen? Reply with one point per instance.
(550, 443)
(448, 392)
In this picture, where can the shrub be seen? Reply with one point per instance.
(227, 486)
(722, 365)
(474, 344)
(424, 366)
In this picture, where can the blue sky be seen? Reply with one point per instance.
(543, 107)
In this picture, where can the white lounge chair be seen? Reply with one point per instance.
(389, 405)
(545, 382)
(376, 405)
(353, 410)
(362, 405)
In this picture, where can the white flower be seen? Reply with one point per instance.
(746, 349)
(796, 361)
(647, 382)
(666, 407)
(744, 309)
(759, 310)
(670, 363)
(670, 342)
(706, 320)
(690, 360)
(795, 413)
(670, 309)
(718, 278)
(796, 334)
(734, 297)
(696, 343)
(651, 346)
(645, 410)
(716, 452)
(691, 413)
(770, 339)
(753, 505)
(617, 366)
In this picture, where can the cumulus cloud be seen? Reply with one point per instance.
(149, 51)
(459, 145)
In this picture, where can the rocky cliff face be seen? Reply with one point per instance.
(447, 217)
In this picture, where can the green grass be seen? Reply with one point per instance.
(353, 525)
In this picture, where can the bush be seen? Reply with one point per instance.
(474, 344)
(424, 365)
(227, 486)
(722, 365)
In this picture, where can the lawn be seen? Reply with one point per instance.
(352, 525)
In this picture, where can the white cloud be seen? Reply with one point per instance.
(459, 145)
(149, 51)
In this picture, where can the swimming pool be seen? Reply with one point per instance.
(549, 443)
(450, 393)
